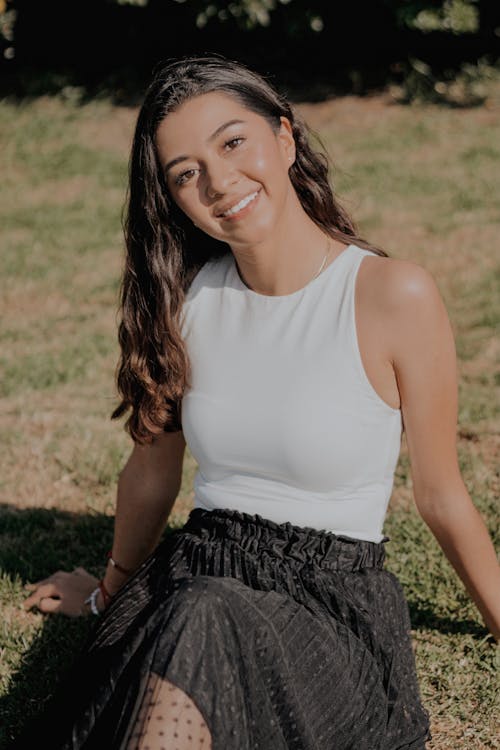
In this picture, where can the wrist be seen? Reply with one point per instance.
(115, 575)
(112, 581)
(93, 603)
(117, 566)
(104, 595)
(98, 599)
(100, 603)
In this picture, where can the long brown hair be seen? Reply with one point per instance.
(164, 250)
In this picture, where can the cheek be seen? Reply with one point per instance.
(261, 163)
(270, 171)
(266, 163)
(188, 202)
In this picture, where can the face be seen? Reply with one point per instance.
(226, 167)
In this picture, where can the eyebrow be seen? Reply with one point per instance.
(211, 138)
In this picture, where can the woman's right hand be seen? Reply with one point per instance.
(64, 593)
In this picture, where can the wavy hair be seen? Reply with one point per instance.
(164, 250)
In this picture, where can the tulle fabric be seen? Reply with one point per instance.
(279, 637)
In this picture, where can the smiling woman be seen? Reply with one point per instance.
(258, 328)
(212, 135)
(238, 171)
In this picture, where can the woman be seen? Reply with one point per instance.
(298, 353)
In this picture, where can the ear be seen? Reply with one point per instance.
(285, 136)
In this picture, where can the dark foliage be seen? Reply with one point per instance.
(111, 47)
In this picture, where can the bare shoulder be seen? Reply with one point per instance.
(397, 283)
(402, 295)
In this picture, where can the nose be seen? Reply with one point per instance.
(220, 176)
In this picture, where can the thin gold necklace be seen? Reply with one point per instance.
(315, 275)
(324, 260)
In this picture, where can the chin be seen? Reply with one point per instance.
(251, 233)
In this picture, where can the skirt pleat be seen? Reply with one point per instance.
(285, 638)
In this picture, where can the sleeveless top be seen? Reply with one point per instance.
(281, 417)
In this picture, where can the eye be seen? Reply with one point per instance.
(184, 176)
(233, 142)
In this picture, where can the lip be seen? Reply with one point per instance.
(243, 212)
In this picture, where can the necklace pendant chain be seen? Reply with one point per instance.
(324, 260)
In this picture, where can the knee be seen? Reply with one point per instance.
(205, 592)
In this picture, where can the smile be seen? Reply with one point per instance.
(243, 203)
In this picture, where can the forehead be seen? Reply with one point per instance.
(196, 119)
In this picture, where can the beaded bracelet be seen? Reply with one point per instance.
(126, 571)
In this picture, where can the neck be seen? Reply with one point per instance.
(287, 258)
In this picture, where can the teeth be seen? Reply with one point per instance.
(244, 202)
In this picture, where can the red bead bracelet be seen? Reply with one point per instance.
(117, 566)
(106, 596)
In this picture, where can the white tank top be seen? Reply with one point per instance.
(281, 417)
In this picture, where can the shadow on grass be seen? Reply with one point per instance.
(425, 618)
(45, 664)
(36, 542)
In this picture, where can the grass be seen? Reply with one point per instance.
(422, 182)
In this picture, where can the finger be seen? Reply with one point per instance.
(36, 584)
(31, 601)
(48, 590)
(49, 579)
(47, 604)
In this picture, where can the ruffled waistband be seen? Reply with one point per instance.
(258, 535)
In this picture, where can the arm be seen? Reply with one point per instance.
(147, 488)
(424, 360)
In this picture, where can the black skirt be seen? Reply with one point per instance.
(284, 637)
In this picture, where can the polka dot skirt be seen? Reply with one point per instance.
(239, 633)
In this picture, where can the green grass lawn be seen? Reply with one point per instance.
(421, 181)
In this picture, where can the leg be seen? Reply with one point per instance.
(168, 720)
(264, 671)
(267, 673)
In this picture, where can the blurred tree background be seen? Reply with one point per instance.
(313, 47)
